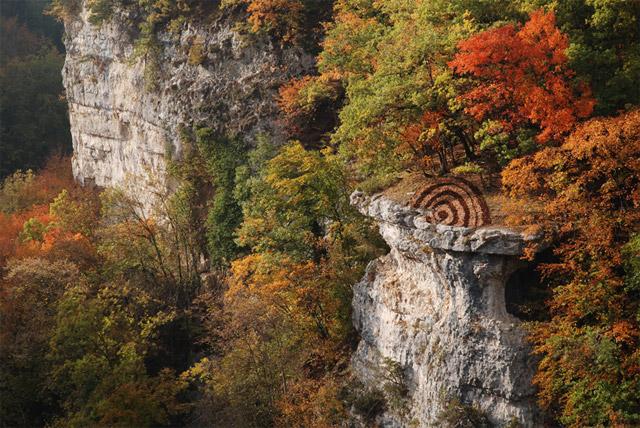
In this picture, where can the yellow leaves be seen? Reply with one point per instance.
(292, 171)
(200, 371)
(624, 332)
(306, 293)
(312, 403)
(283, 17)
(267, 276)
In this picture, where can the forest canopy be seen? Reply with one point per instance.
(33, 112)
(228, 303)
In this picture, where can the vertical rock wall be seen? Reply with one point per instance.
(123, 131)
(435, 305)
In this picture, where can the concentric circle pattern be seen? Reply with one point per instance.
(452, 202)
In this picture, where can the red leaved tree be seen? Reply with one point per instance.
(520, 77)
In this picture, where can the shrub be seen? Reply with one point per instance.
(395, 386)
(369, 404)
(456, 414)
(65, 10)
(196, 51)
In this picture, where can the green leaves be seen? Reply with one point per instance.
(222, 156)
(35, 121)
(391, 58)
(98, 351)
(299, 193)
(605, 48)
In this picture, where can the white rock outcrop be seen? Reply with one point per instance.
(123, 131)
(435, 305)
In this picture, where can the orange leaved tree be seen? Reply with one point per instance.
(589, 374)
(520, 77)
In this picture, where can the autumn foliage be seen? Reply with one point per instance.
(283, 17)
(227, 302)
(289, 21)
(521, 76)
(424, 141)
(24, 200)
(308, 108)
(590, 348)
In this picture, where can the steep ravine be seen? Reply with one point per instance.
(436, 306)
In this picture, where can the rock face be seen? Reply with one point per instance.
(122, 130)
(435, 305)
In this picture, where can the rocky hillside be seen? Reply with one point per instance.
(275, 251)
(435, 304)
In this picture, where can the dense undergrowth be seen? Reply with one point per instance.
(34, 121)
(229, 303)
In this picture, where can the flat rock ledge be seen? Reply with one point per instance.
(484, 240)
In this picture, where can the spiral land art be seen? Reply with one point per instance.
(452, 202)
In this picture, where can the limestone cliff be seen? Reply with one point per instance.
(436, 306)
(122, 129)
